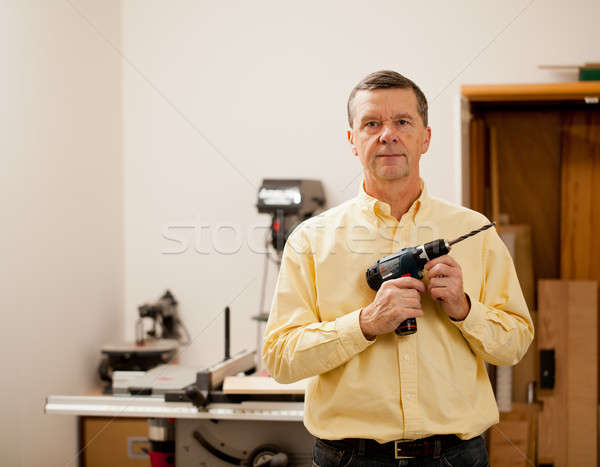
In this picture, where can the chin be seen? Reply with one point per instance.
(390, 175)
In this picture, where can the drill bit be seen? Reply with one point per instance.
(470, 234)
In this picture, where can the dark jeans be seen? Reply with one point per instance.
(470, 453)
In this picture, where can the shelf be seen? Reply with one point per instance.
(531, 92)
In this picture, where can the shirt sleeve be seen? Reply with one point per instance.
(297, 343)
(498, 327)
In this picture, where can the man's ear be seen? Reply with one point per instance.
(350, 135)
(426, 140)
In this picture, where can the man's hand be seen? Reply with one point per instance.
(396, 300)
(446, 286)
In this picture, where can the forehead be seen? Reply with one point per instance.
(387, 102)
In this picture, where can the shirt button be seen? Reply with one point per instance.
(406, 357)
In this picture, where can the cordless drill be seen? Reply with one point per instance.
(409, 262)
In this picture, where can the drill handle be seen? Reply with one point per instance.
(409, 326)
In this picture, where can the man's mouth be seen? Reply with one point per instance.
(390, 155)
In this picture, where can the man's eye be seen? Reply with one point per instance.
(371, 124)
(403, 122)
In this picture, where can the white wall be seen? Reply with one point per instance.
(226, 93)
(61, 198)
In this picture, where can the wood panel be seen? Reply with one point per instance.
(530, 92)
(478, 166)
(552, 325)
(494, 180)
(518, 241)
(567, 323)
(580, 226)
(465, 138)
(582, 382)
(509, 440)
(580, 195)
(512, 440)
(528, 145)
(261, 385)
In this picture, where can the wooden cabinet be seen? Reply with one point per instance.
(531, 156)
(114, 441)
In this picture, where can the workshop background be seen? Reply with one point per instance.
(136, 134)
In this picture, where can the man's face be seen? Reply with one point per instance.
(388, 135)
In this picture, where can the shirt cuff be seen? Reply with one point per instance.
(351, 336)
(474, 320)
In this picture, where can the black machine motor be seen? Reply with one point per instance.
(289, 202)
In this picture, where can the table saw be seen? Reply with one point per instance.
(220, 419)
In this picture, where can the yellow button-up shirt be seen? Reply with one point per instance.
(395, 387)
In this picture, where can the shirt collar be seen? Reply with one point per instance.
(379, 207)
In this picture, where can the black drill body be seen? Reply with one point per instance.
(407, 262)
(411, 262)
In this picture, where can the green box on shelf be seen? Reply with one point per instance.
(589, 74)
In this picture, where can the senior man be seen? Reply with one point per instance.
(376, 398)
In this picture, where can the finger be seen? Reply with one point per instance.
(442, 270)
(441, 282)
(405, 295)
(439, 293)
(412, 302)
(445, 259)
(411, 311)
(407, 283)
(450, 293)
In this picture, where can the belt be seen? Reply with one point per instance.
(432, 446)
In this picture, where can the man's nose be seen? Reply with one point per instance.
(388, 135)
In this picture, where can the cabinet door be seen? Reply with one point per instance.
(117, 442)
